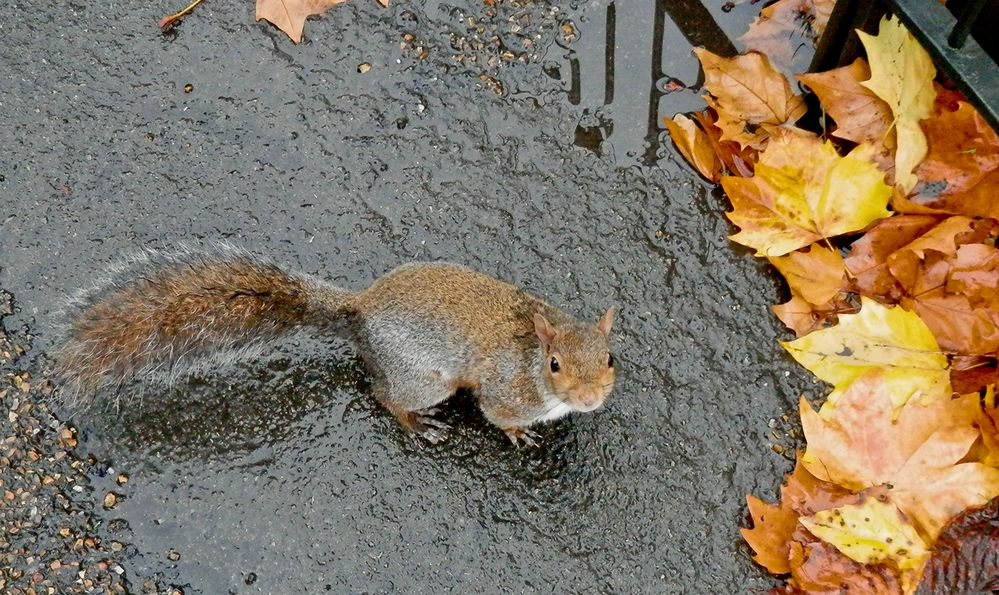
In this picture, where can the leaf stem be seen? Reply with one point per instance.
(168, 22)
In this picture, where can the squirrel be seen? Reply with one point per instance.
(424, 330)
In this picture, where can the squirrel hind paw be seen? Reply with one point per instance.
(523, 436)
(423, 424)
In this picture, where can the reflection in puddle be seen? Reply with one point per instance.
(630, 67)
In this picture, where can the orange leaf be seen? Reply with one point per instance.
(860, 115)
(694, 144)
(960, 174)
(868, 258)
(770, 535)
(917, 456)
(781, 24)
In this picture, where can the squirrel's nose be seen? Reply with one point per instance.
(589, 398)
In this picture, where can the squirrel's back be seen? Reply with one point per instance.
(157, 311)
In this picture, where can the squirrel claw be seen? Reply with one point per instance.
(518, 435)
(430, 428)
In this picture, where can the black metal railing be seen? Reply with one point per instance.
(948, 38)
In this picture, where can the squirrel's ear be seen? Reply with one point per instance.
(544, 330)
(606, 321)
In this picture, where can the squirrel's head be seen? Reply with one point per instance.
(577, 360)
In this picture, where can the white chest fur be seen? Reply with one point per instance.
(559, 410)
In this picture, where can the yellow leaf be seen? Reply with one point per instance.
(873, 532)
(890, 339)
(902, 76)
(752, 99)
(802, 192)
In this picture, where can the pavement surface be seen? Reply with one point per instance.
(520, 138)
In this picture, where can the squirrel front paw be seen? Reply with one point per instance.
(522, 435)
(423, 423)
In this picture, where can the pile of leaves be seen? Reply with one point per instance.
(884, 224)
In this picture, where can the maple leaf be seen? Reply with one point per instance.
(873, 532)
(815, 278)
(289, 15)
(774, 526)
(751, 98)
(860, 115)
(801, 192)
(962, 312)
(773, 31)
(868, 257)
(891, 340)
(916, 458)
(695, 145)
(960, 174)
(975, 273)
(902, 75)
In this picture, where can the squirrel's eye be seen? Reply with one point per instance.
(554, 366)
(610, 360)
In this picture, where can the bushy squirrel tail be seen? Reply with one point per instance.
(159, 312)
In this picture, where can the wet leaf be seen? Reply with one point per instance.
(858, 443)
(868, 258)
(960, 174)
(774, 526)
(773, 31)
(751, 98)
(815, 278)
(902, 76)
(818, 567)
(877, 338)
(801, 192)
(872, 532)
(771, 534)
(290, 15)
(965, 558)
(860, 115)
(694, 144)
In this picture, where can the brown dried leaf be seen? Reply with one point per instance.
(290, 15)
(751, 98)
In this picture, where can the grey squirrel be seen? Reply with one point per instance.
(424, 330)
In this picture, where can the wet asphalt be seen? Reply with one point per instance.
(493, 135)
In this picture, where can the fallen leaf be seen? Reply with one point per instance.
(873, 532)
(815, 278)
(891, 340)
(965, 558)
(816, 274)
(859, 444)
(868, 258)
(694, 144)
(751, 98)
(960, 174)
(975, 273)
(958, 326)
(902, 75)
(771, 534)
(818, 567)
(860, 115)
(801, 192)
(775, 30)
(289, 15)
(773, 526)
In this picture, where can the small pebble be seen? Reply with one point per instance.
(363, 67)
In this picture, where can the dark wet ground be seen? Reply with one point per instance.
(280, 475)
